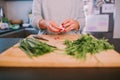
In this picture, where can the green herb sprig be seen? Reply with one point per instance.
(86, 44)
(34, 47)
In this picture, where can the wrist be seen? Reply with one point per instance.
(77, 26)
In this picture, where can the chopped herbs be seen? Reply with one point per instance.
(34, 47)
(78, 48)
(86, 44)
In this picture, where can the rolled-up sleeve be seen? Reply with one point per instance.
(36, 13)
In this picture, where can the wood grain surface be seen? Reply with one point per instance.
(15, 57)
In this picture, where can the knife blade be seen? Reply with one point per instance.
(39, 37)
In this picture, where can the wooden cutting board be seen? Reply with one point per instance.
(15, 57)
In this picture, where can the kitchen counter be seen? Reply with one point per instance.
(18, 33)
(9, 30)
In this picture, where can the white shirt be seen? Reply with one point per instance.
(58, 11)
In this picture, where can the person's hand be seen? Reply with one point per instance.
(49, 25)
(42, 24)
(70, 24)
(53, 27)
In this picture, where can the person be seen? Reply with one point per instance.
(58, 16)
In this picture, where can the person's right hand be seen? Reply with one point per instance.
(50, 25)
(53, 27)
(42, 24)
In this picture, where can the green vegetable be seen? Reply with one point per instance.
(86, 44)
(14, 26)
(34, 47)
(5, 20)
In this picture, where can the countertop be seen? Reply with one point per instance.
(9, 30)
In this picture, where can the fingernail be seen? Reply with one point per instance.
(63, 26)
(60, 30)
(65, 30)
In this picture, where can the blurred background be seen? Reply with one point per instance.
(102, 20)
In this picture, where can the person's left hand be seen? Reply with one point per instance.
(71, 24)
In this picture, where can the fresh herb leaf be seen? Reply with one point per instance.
(86, 44)
(34, 47)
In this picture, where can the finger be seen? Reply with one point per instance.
(53, 24)
(71, 27)
(67, 24)
(52, 29)
(66, 21)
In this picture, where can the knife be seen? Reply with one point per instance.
(39, 37)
